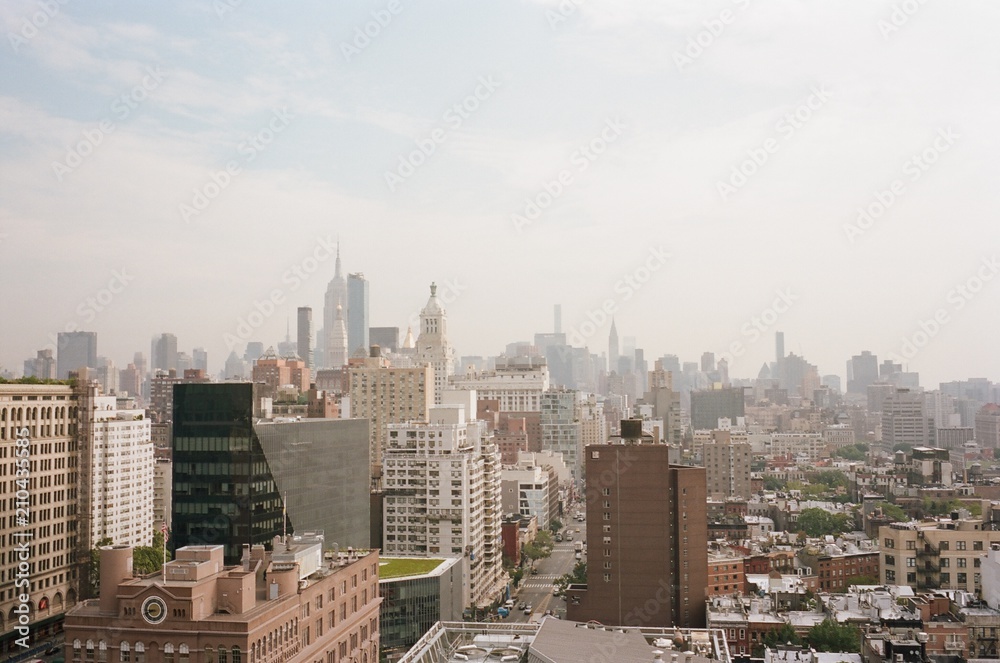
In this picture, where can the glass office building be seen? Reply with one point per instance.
(235, 473)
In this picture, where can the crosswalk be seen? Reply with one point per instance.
(542, 581)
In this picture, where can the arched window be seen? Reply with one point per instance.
(237, 655)
(168, 653)
(209, 654)
(140, 653)
(90, 650)
(124, 652)
(102, 652)
(76, 651)
(222, 654)
(183, 654)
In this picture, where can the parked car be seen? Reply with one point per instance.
(520, 606)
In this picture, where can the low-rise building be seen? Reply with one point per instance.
(296, 604)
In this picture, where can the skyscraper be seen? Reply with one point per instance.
(336, 296)
(613, 347)
(336, 347)
(164, 352)
(864, 371)
(304, 335)
(357, 313)
(200, 358)
(433, 347)
(647, 535)
(76, 350)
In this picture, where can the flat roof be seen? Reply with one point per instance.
(400, 567)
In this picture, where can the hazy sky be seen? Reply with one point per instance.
(686, 164)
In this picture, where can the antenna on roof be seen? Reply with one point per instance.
(284, 518)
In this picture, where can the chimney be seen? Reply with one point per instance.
(116, 567)
(245, 560)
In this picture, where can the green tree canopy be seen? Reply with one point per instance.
(829, 636)
(893, 511)
(577, 576)
(819, 522)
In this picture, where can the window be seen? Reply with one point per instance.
(890, 575)
(607, 516)
(945, 578)
(222, 654)
(960, 545)
(963, 579)
(124, 653)
(977, 545)
(911, 562)
(945, 545)
(911, 545)
(889, 543)
(140, 653)
(945, 562)
(607, 565)
(595, 454)
(890, 560)
(606, 492)
(168, 653)
(184, 655)
(607, 577)
(102, 652)
(960, 562)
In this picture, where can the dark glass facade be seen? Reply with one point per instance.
(223, 490)
(234, 473)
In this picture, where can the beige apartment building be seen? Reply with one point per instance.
(944, 554)
(385, 395)
(45, 416)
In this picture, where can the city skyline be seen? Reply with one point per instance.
(671, 163)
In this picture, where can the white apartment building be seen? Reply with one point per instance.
(442, 496)
(117, 455)
(516, 382)
(531, 490)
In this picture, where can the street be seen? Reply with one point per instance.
(536, 590)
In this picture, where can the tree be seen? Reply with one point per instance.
(578, 576)
(149, 559)
(829, 636)
(145, 560)
(815, 522)
(853, 452)
(555, 525)
(862, 580)
(779, 636)
(893, 511)
(773, 483)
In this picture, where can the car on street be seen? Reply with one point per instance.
(520, 606)
(527, 609)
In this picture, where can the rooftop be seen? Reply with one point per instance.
(398, 567)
